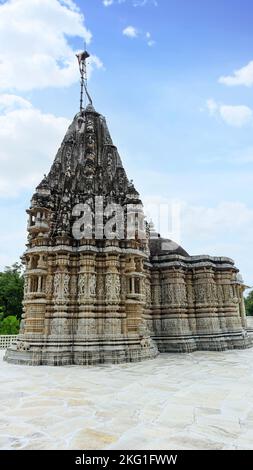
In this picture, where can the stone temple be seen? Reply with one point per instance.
(96, 299)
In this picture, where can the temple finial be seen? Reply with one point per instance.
(82, 57)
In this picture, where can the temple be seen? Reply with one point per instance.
(99, 294)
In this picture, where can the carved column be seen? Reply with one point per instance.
(229, 312)
(112, 324)
(60, 324)
(207, 320)
(34, 295)
(134, 300)
(87, 295)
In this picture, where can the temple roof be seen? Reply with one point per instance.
(87, 161)
(163, 246)
(86, 165)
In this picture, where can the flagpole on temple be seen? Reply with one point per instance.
(82, 57)
(82, 84)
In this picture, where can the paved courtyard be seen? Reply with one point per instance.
(202, 400)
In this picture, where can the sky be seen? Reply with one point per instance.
(174, 79)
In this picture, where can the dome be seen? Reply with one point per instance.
(163, 246)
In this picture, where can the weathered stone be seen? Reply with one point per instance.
(90, 298)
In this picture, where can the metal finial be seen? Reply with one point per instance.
(82, 57)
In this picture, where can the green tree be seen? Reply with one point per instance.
(11, 291)
(9, 325)
(249, 303)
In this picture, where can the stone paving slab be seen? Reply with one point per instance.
(202, 400)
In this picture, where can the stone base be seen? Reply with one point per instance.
(82, 352)
(208, 342)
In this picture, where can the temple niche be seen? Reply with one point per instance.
(91, 298)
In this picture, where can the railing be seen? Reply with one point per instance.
(6, 340)
(250, 323)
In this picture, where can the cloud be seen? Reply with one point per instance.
(142, 3)
(150, 41)
(10, 102)
(34, 47)
(135, 3)
(224, 229)
(236, 116)
(243, 76)
(29, 141)
(130, 32)
(212, 106)
(214, 222)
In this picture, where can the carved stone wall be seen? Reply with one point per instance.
(201, 305)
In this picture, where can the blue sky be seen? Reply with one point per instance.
(163, 75)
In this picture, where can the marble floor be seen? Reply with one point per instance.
(202, 400)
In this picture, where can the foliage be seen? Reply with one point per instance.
(11, 291)
(9, 325)
(249, 303)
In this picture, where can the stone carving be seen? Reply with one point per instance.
(87, 286)
(59, 326)
(228, 294)
(112, 287)
(190, 294)
(174, 294)
(145, 343)
(49, 285)
(200, 293)
(156, 295)
(180, 294)
(147, 293)
(61, 286)
(57, 285)
(26, 284)
(66, 278)
(100, 285)
(73, 286)
(23, 346)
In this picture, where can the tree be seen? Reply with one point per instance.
(249, 303)
(9, 325)
(11, 291)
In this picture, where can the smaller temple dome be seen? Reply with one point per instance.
(163, 246)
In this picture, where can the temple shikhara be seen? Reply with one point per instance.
(94, 297)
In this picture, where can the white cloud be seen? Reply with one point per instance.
(212, 106)
(214, 222)
(224, 229)
(130, 32)
(11, 102)
(29, 141)
(34, 47)
(142, 3)
(135, 3)
(243, 76)
(150, 41)
(236, 116)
